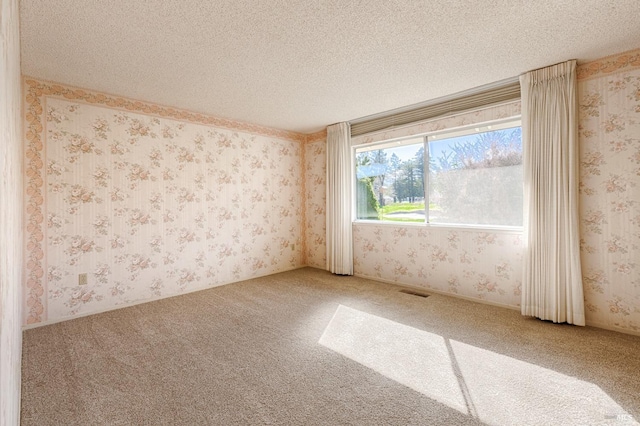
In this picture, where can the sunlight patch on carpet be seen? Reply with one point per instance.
(489, 386)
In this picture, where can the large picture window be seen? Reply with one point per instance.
(467, 177)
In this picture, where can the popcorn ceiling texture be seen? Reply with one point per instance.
(304, 65)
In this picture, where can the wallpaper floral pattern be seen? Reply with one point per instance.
(150, 206)
(485, 265)
(609, 135)
(315, 170)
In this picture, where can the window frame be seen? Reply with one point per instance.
(427, 137)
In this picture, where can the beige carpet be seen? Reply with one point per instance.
(306, 347)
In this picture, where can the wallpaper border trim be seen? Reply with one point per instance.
(49, 88)
(34, 199)
(317, 136)
(609, 65)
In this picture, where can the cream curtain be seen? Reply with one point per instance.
(339, 184)
(552, 282)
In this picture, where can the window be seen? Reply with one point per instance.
(467, 177)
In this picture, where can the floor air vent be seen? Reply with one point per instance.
(414, 293)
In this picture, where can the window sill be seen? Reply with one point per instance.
(478, 228)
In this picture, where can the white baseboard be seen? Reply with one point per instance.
(444, 293)
(139, 302)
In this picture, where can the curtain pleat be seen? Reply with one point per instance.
(552, 282)
(339, 211)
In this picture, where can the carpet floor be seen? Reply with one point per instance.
(306, 347)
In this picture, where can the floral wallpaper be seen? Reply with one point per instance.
(609, 134)
(149, 206)
(315, 169)
(485, 265)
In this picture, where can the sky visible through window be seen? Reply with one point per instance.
(473, 178)
(436, 147)
(405, 152)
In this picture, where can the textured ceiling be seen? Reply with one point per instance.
(301, 65)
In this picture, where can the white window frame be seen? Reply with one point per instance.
(427, 137)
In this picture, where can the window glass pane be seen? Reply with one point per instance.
(390, 181)
(477, 179)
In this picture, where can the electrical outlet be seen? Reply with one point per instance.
(293, 247)
(82, 279)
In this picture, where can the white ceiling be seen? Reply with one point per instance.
(301, 65)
